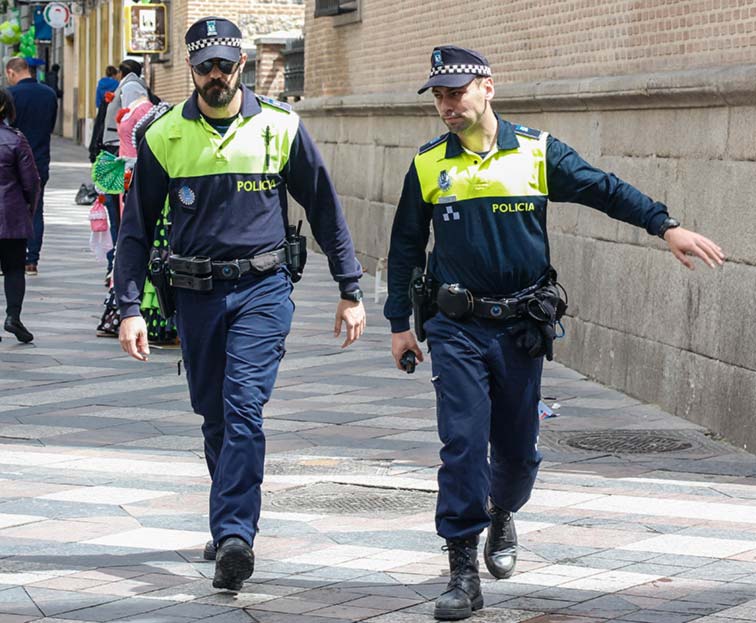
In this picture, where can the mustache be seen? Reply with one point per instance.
(217, 82)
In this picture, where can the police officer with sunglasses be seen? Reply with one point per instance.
(218, 167)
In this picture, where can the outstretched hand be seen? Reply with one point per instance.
(353, 315)
(685, 243)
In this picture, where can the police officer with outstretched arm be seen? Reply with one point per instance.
(219, 165)
(494, 301)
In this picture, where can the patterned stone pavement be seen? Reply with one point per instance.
(103, 487)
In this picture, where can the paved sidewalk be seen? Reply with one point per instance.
(103, 487)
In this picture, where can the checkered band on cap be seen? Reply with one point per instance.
(233, 42)
(478, 70)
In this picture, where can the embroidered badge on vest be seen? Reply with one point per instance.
(186, 195)
(444, 181)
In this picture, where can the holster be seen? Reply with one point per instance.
(160, 277)
(296, 251)
(422, 293)
(540, 311)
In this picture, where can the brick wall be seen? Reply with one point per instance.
(270, 70)
(254, 17)
(525, 40)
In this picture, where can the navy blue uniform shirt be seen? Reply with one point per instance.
(36, 114)
(214, 230)
(484, 256)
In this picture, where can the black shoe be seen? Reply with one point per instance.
(462, 596)
(500, 552)
(14, 326)
(209, 553)
(234, 563)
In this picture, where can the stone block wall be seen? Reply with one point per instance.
(638, 320)
(388, 49)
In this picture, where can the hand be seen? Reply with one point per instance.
(353, 314)
(133, 337)
(684, 243)
(401, 343)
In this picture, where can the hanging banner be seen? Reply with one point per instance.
(146, 28)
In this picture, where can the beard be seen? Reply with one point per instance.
(218, 93)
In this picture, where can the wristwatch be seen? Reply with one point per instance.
(355, 296)
(668, 223)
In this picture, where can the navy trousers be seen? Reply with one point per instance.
(487, 392)
(34, 244)
(232, 341)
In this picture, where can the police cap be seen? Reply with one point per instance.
(452, 66)
(213, 37)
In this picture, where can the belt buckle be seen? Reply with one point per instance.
(229, 270)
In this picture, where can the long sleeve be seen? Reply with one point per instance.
(27, 173)
(309, 183)
(409, 237)
(572, 179)
(144, 204)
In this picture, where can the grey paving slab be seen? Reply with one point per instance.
(75, 412)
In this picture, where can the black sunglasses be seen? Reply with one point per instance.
(205, 67)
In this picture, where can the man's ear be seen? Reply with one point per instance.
(488, 87)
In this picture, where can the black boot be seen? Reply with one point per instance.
(234, 563)
(209, 552)
(14, 326)
(462, 595)
(500, 552)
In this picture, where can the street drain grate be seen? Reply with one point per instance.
(332, 498)
(628, 442)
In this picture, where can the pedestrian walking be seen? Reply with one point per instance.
(485, 186)
(108, 83)
(36, 113)
(225, 159)
(19, 187)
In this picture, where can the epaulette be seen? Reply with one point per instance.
(526, 131)
(144, 124)
(275, 103)
(432, 143)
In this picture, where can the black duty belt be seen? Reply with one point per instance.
(197, 272)
(496, 309)
(260, 264)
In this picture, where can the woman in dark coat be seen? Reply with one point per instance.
(19, 187)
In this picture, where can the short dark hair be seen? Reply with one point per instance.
(111, 71)
(7, 107)
(130, 66)
(55, 67)
(17, 64)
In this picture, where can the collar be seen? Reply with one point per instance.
(249, 107)
(505, 139)
(26, 80)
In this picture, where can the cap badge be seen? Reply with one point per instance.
(212, 31)
(186, 195)
(438, 60)
(444, 181)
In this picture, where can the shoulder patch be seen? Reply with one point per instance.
(526, 131)
(144, 124)
(275, 103)
(432, 143)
